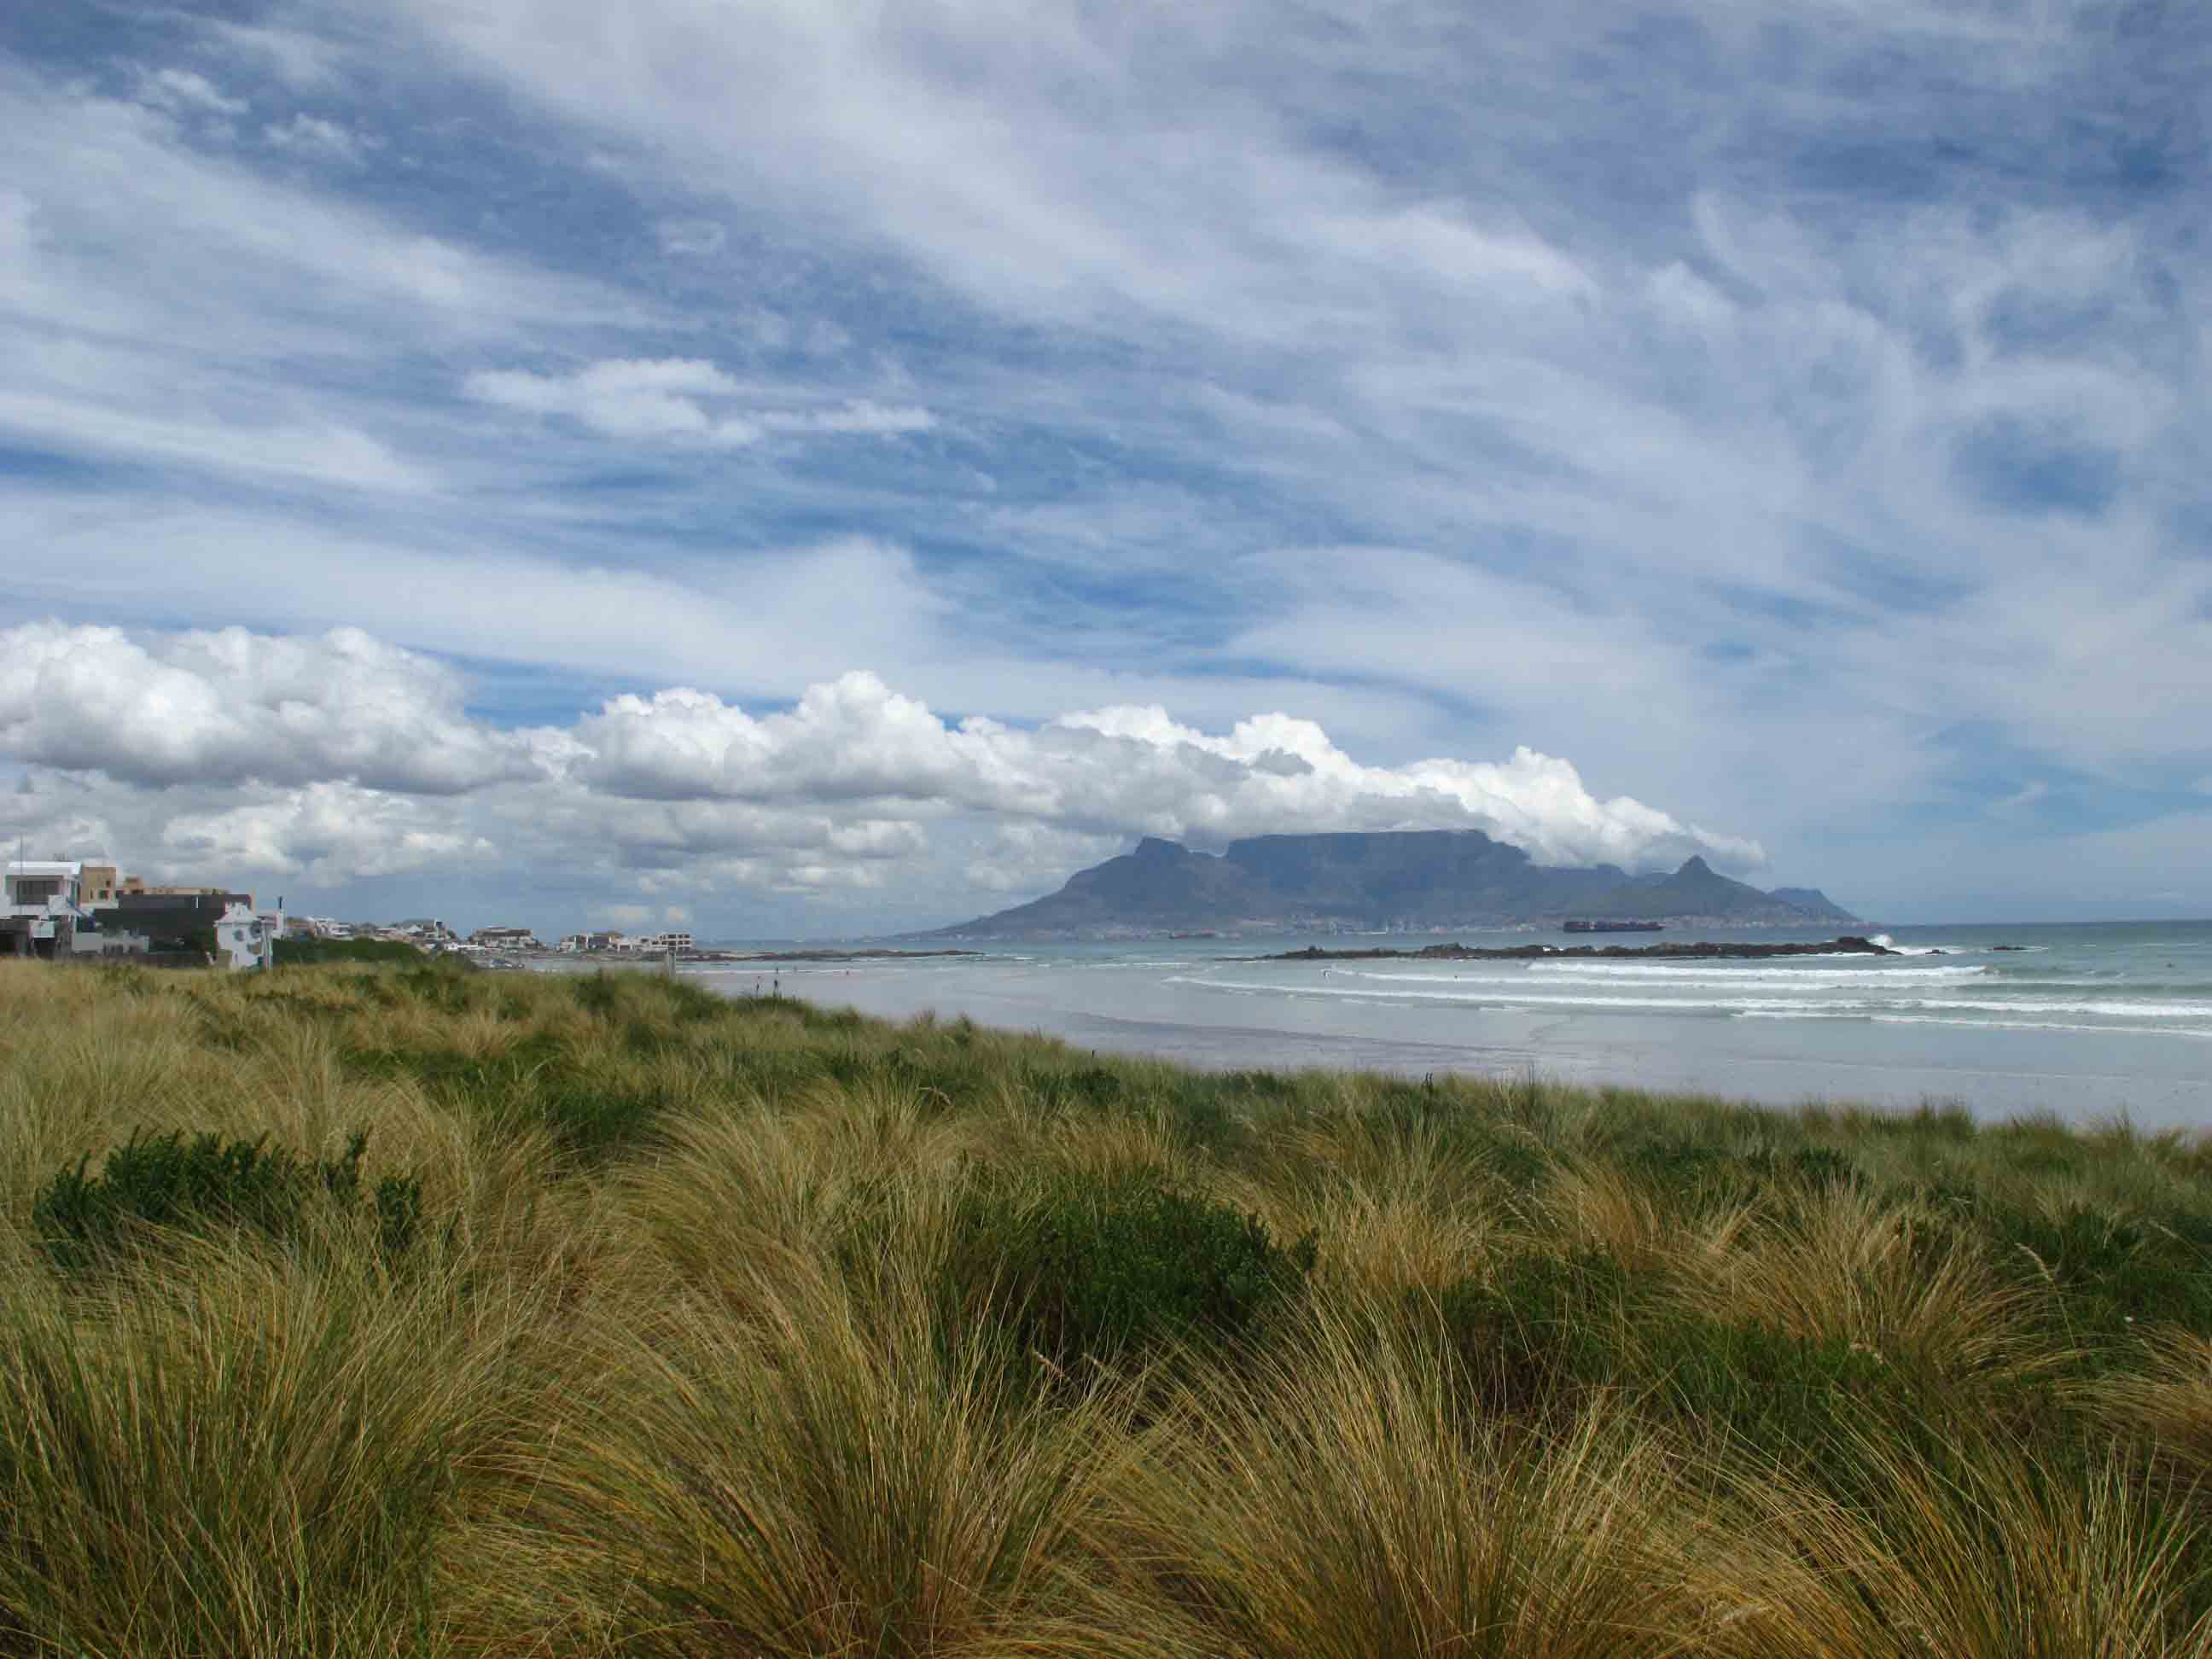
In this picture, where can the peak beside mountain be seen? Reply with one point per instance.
(1810, 899)
(1384, 879)
(1697, 891)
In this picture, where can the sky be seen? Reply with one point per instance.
(821, 467)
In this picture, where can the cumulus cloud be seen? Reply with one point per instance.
(231, 705)
(1123, 770)
(684, 398)
(343, 756)
(327, 831)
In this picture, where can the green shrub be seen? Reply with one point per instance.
(1540, 1327)
(1095, 1271)
(539, 1082)
(2113, 1273)
(1545, 1333)
(207, 1182)
(1207, 1115)
(305, 951)
(591, 1120)
(1782, 1396)
(442, 983)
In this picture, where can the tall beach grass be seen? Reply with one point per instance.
(747, 1327)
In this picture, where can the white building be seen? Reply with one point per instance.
(243, 939)
(41, 912)
(506, 938)
(659, 945)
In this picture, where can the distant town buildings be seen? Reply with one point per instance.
(64, 908)
(59, 908)
(614, 943)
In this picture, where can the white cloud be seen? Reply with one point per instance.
(1126, 769)
(672, 398)
(232, 706)
(622, 399)
(695, 237)
(311, 135)
(858, 415)
(180, 89)
(327, 832)
(321, 452)
(756, 622)
(301, 59)
(342, 758)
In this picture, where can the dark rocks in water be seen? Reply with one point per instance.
(1674, 951)
(827, 955)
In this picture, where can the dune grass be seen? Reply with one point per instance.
(367, 1308)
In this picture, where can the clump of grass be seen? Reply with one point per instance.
(834, 1479)
(2166, 1404)
(239, 1454)
(1842, 1265)
(1336, 1503)
(1972, 1545)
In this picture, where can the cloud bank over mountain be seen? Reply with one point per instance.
(343, 756)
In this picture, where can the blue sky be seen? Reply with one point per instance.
(810, 467)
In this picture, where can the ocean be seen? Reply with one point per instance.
(2083, 1021)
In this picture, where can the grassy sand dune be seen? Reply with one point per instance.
(397, 1310)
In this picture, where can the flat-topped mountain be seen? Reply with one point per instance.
(1398, 878)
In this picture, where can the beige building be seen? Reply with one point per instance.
(134, 885)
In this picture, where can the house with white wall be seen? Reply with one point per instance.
(245, 938)
(506, 938)
(41, 910)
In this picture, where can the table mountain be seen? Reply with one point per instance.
(1401, 878)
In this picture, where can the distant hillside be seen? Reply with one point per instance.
(1412, 878)
(1697, 891)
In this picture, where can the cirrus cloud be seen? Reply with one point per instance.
(678, 398)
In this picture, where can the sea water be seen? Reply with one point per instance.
(2087, 1021)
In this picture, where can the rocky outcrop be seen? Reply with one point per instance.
(1704, 950)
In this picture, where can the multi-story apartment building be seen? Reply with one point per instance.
(506, 938)
(41, 907)
(595, 943)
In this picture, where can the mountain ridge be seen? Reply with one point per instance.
(1382, 880)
